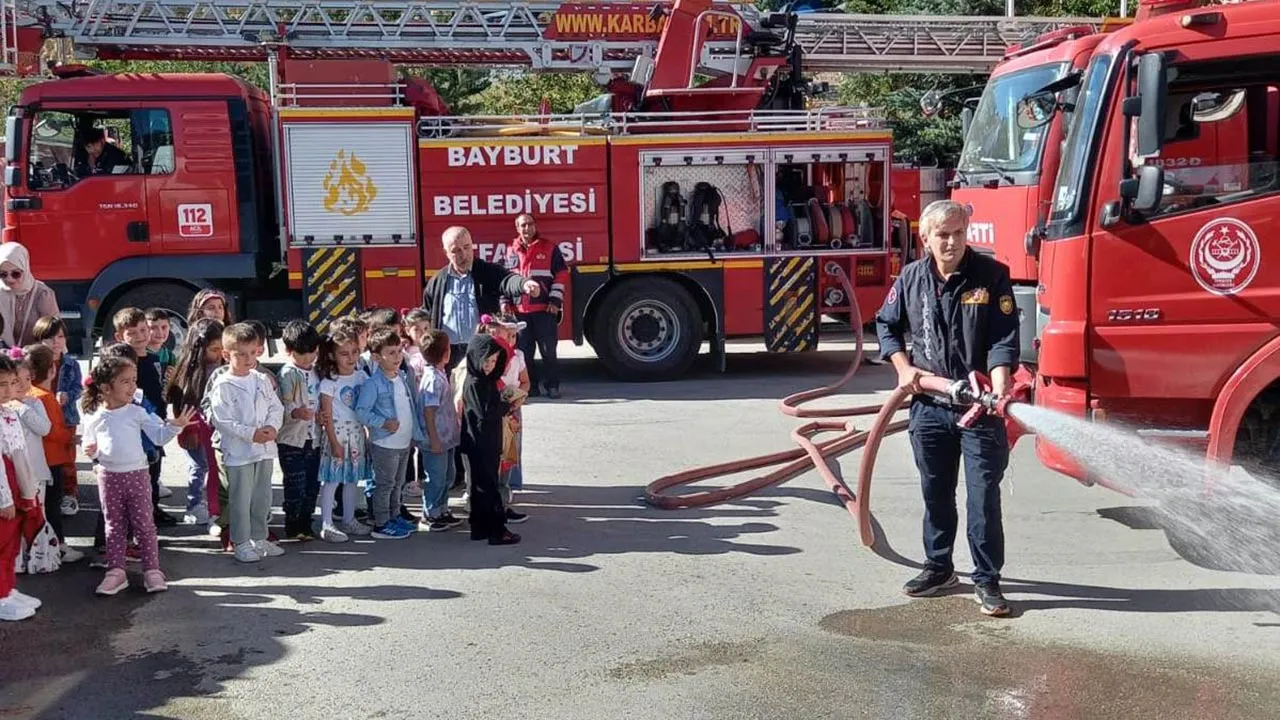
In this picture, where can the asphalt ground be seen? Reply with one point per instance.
(767, 607)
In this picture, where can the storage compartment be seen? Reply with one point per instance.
(830, 199)
(702, 203)
(350, 182)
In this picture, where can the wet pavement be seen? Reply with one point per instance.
(763, 608)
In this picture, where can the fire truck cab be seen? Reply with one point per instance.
(179, 199)
(1006, 171)
(1161, 302)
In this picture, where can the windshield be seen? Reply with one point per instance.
(1084, 124)
(995, 142)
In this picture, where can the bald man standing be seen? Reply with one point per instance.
(467, 288)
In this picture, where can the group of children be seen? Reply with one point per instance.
(345, 417)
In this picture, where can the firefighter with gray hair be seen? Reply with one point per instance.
(955, 306)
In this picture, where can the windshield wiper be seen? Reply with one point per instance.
(988, 164)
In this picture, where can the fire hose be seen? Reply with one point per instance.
(973, 392)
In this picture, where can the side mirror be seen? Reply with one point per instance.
(1151, 91)
(1036, 110)
(1144, 192)
(930, 103)
(12, 138)
(966, 119)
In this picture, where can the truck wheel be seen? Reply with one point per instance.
(171, 297)
(648, 329)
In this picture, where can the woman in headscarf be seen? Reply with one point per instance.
(483, 411)
(23, 299)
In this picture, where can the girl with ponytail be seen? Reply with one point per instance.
(112, 436)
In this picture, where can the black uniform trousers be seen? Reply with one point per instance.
(542, 332)
(939, 444)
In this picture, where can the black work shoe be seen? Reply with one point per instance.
(506, 538)
(516, 517)
(990, 598)
(930, 582)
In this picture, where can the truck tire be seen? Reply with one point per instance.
(174, 298)
(647, 330)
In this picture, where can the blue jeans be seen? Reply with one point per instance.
(440, 474)
(197, 474)
(939, 445)
(300, 467)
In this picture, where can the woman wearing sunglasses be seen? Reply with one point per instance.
(23, 299)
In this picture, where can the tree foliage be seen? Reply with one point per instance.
(937, 140)
(520, 93)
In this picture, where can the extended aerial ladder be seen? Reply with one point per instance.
(600, 37)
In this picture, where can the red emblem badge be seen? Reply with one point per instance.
(1225, 256)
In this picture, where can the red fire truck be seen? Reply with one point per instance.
(1006, 172)
(690, 212)
(1161, 307)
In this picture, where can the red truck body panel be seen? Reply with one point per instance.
(1150, 320)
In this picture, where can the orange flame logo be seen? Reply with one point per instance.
(348, 189)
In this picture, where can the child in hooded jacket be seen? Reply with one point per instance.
(484, 412)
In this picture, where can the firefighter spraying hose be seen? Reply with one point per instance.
(974, 392)
(956, 309)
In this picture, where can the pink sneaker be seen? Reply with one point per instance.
(154, 581)
(114, 582)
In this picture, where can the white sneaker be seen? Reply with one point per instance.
(12, 611)
(70, 506)
(70, 554)
(197, 516)
(355, 527)
(164, 491)
(215, 530)
(329, 533)
(22, 598)
(247, 553)
(266, 548)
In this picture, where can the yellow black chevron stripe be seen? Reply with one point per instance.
(330, 284)
(791, 304)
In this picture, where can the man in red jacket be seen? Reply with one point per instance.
(539, 259)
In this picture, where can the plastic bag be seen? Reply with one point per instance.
(43, 554)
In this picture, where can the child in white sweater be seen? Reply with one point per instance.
(112, 434)
(247, 413)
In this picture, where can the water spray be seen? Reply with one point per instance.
(974, 393)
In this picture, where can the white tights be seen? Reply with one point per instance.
(327, 493)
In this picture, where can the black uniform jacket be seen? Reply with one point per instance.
(968, 322)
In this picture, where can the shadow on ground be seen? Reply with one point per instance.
(1030, 595)
(80, 654)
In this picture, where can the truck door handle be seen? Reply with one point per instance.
(138, 231)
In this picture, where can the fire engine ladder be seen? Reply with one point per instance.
(541, 34)
(835, 42)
